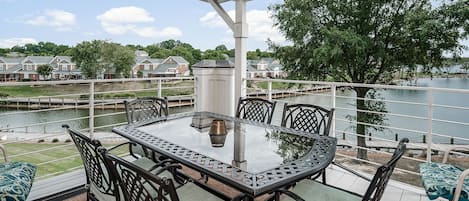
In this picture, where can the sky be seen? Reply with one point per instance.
(141, 22)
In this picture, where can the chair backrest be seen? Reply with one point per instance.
(255, 109)
(307, 118)
(93, 161)
(145, 108)
(135, 183)
(380, 180)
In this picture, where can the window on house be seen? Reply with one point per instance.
(69, 67)
(146, 67)
(2, 67)
(29, 67)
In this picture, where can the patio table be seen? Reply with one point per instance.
(255, 158)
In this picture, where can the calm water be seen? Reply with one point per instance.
(9, 121)
(439, 98)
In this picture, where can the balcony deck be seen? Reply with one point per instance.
(395, 191)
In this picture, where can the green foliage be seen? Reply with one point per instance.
(117, 58)
(360, 41)
(86, 56)
(55, 140)
(96, 57)
(44, 70)
(258, 54)
(366, 41)
(140, 74)
(39, 49)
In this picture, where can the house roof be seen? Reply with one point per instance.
(39, 59)
(178, 59)
(11, 60)
(64, 58)
(13, 69)
(162, 68)
(139, 60)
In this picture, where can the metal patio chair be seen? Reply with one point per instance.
(136, 184)
(308, 118)
(16, 178)
(99, 185)
(145, 109)
(445, 180)
(311, 190)
(255, 109)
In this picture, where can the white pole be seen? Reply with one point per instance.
(159, 88)
(91, 111)
(430, 125)
(333, 97)
(269, 90)
(240, 35)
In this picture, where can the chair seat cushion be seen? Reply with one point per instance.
(192, 192)
(311, 190)
(16, 179)
(439, 180)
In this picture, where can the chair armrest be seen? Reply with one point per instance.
(119, 145)
(4, 151)
(445, 158)
(351, 171)
(461, 178)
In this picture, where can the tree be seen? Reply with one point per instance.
(365, 41)
(465, 67)
(117, 58)
(45, 70)
(86, 55)
(97, 57)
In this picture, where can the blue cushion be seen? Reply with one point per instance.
(16, 179)
(439, 180)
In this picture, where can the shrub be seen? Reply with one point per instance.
(41, 140)
(3, 95)
(55, 140)
(68, 140)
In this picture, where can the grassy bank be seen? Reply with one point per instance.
(141, 88)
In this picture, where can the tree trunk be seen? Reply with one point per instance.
(361, 129)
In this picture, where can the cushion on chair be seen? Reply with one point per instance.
(439, 180)
(192, 192)
(16, 179)
(311, 190)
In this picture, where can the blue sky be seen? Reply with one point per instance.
(141, 22)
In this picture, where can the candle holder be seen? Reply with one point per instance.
(217, 133)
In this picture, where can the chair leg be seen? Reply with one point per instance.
(323, 172)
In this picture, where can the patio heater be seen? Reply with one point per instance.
(240, 33)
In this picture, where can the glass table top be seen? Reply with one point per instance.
(252, 157)
(252, 148)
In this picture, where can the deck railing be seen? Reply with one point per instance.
(30, 122)
(434, 112)
(97, 107)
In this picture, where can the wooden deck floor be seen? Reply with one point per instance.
(395, 191)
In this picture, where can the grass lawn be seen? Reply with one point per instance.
(275, 85)
(55, 158)
(136, 87)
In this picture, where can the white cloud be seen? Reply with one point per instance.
(125, 15)
(132, 20)
(60, 20)
(260, 24)
(10, 42)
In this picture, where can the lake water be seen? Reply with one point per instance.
(461, 100)
(439, 98)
